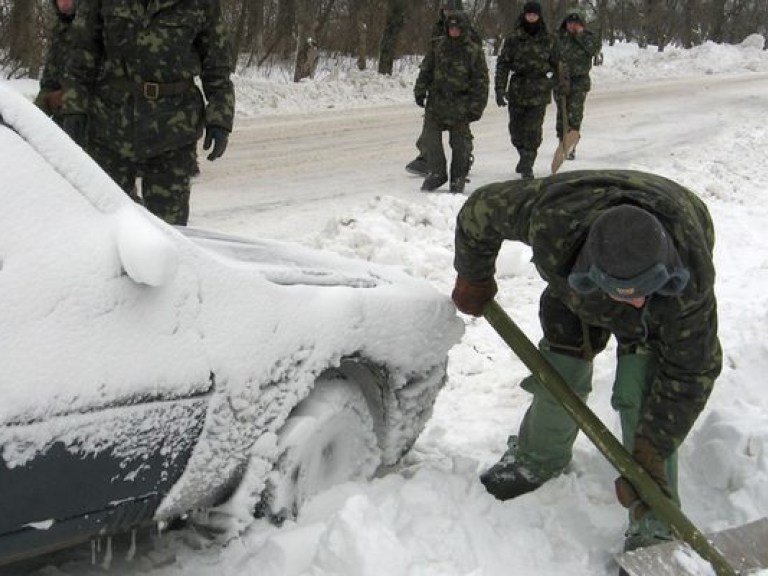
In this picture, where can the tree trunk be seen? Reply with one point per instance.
(24, 49)
(362, 43)
(396, 11)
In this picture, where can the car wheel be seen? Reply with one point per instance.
(329, 438)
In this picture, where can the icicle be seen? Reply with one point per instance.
(107, 554)
(132, 550)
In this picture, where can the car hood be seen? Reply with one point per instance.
(103, 304)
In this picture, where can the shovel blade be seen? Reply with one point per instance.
(566, 146)
(744, 547)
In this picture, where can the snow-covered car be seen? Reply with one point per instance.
(149, 371)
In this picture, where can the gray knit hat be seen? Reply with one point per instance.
(628, 254)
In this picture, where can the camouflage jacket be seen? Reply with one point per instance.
(454, 77)
(119, 46)
(577, 52)
(59, 47)
(552, 215)
(531, 61)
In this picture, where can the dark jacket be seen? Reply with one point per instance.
(119, 46)
(526, 67)
(552, 215)
(454, 77)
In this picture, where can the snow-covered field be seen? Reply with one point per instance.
(321, 163)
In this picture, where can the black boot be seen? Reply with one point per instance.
(510, 478)
(433, 181)
(457, 184)
(418, 166)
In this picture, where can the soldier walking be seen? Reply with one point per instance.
(452, 86)
(623, 253)
(59, 43)
(418, 165)
(146, 113)
(578, 48)
(525, 72)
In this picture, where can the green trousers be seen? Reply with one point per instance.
(547, 432)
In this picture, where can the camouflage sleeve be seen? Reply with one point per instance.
(86, 53)
(50, 79)
(493, 213)
(690, 359)
(426, 74)
(479, 83)
(589, 42)
(501, 77)
(216, 60)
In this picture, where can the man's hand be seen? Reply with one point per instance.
(471, 297)
(219, 138)
(54, 99)
(421, 100)
(74, 126)
(501, 100)
(648, 457)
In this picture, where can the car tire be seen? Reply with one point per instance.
(328, 439)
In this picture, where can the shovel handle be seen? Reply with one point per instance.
(603, 439)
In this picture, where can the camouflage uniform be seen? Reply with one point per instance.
(669, 354)
(146, 113)
(528, 64)
(453, 78)
(438, 32)
(59, 46)
(578, 52)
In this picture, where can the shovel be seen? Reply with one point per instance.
(746, 547)
(567, 142)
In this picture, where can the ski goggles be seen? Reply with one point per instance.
(658, 279)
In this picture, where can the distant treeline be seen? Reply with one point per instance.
(270, 32)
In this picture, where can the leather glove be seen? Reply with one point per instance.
(74, 126)
(54, 99)
(501, 100)
(648, 457)
(219, 138)
(421, 100)
(471, 297)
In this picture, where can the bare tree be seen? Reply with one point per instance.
(395, 19)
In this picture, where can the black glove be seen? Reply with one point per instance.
(471, 297)
(501, 100)
(421, 100)
(219, 138)
(648, 457)
(74, 126)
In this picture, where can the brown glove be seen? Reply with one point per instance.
(54, 101)
(471, 297)
(648, 457)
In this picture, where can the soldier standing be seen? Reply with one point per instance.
(623, 253)
(59, 43)
(453, 86)
(578, 48)
(525, 70)
(146, 113)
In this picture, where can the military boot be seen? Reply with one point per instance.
(525, 166)
(433, 181)
(457, 184)
(510, 477)
(418, 166)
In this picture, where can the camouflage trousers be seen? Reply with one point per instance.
(574, 107)
(431, 145)
(525, 126)
(165, 179)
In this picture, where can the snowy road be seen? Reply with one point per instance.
(283, 174)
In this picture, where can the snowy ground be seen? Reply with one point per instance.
(321, 163)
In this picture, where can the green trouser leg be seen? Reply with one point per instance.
(548, 432)
(634, 376)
